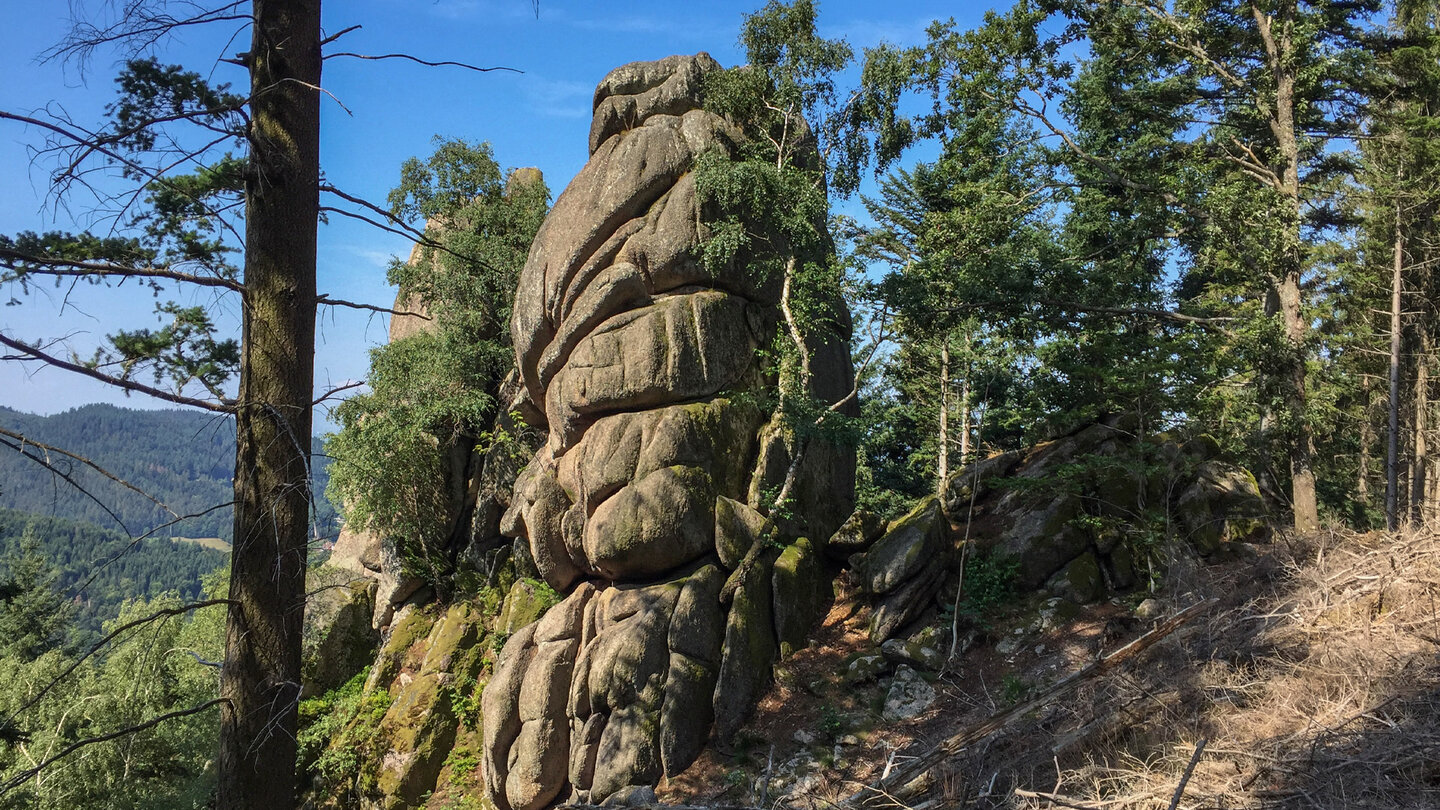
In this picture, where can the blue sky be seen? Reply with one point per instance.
(391, 111)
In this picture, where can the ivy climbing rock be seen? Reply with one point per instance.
(649, 373)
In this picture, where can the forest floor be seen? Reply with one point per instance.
(1308, 677)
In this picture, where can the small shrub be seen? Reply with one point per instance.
(1014, 689)
(989, 582)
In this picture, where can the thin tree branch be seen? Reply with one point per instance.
(417, 60)
(337, 389)
(94, 648)
(89, 141)
(24, 776)
(69, 480)
(24, 440)
(20, 263)
(79, 587)
(342, 32)
(223, 406)
(138, 24)
(340, 302)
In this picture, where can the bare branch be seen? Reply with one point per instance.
(138, 25)
(223, 406)
(1144, 312)
(24, 776)
(94, 648)
(400, 226)
(420, 61)
(339, 302)
(52, 266)
(64, 476)
(337, 389)
(79, 587)
(90, 141)
(342, 32)
(25, 441)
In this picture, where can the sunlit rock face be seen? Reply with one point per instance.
(647, 372)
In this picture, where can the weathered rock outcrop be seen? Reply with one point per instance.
(645, 370)
(1077, 515)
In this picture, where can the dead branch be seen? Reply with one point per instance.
(1189, 771)
(138, 25)
(398, 226)
(326, 300)
(25, 441)
(337, 389)
(79, 587)
(1054, 798)
(342, 32)
(91, 141)
(67, 478)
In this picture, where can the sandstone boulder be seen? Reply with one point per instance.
(644, 371)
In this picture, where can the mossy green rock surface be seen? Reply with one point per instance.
(748, 652)
(908, 545)
(525, 603)
(411, 626)
(801, 593)
(418, 731)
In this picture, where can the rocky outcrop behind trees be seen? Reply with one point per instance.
(646, 371)
(1089, 513)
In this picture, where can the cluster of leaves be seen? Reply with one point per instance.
(153, 670)
(433, 394)
(989, 582)
(336, 732)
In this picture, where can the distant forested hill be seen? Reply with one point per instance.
(184, 459)
(100, 569)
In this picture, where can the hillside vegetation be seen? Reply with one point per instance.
(183, 459)
(99, 570)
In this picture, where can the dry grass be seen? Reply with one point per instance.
(1316, 686)
(1313, 683)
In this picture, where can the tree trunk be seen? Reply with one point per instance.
(1392, 446)
(942, 465)
(965, 417)
(1367, 437)
(1278, 33)
(260, 679)
(1419, 453)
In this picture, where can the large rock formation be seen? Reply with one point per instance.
(646, 372)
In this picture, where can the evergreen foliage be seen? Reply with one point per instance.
(94, 571)
(184, 459)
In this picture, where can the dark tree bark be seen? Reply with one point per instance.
(261, 677)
